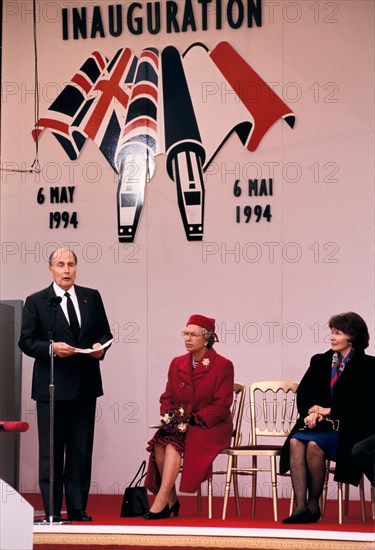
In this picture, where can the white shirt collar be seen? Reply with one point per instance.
(61, 292)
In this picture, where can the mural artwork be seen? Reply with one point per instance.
(135, 108)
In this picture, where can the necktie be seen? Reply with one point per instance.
(73, 319)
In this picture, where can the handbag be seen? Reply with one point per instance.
(326, 425)
(135, 501)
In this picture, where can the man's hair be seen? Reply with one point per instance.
(54, 252)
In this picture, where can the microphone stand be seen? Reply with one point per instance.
(51, 420)
(52, 305)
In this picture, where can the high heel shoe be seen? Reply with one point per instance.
(315, 516)
(302, 517)
(164, 513)
(175, 509)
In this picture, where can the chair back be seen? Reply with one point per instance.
(239, 394)
(273, 409)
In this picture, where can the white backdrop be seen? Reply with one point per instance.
(271, 286)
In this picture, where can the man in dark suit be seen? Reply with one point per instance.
(363, 454)
(50, 322)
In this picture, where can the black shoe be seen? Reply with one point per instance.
(175, 509)
(79, 515)
(302, 517)
(315, 517)
(56, 518)
(164, 513)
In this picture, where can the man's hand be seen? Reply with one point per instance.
(97, 354)
(61, 349)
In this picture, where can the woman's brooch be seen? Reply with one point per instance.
(206, 362)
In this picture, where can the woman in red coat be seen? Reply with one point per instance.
(195, 416)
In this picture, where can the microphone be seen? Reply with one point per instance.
(14, 426)
(54, 301)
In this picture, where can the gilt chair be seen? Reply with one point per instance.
(273, 412)
(239, 394)
(343, 503)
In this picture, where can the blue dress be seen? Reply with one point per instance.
(327, 441)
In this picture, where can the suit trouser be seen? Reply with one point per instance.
(74, 422)
(363, 453)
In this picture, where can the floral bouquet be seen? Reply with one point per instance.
(175, 420)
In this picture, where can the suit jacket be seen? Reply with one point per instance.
(352, 403)
(78, 374)
(208, 392)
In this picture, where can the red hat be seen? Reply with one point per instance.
(204, 322)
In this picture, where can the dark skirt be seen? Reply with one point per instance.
(164, 438)
(327, 441)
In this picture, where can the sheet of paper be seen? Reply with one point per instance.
(90, 350)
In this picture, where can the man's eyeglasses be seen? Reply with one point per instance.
(186, 334)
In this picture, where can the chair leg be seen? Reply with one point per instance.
(362, 498)
(340, 500)
(325, 488)
(209, 482)
(254, 464)
(235, 485)
(274, 487)
(227, 486)
(346, 499)
(291, 505)
(199, 501)
(343, 502)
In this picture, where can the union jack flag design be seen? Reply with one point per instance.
(103, 115)
(63, 111)
(93, 105)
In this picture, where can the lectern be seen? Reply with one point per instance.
(16, 514)
(16, 520)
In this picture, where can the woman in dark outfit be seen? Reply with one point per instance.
(338, 385)
(200, 385)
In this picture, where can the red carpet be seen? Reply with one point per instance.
(105, 510)
(101, 547)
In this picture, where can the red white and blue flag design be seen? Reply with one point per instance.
(62, 114)
(119, 105)
(138, 145)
